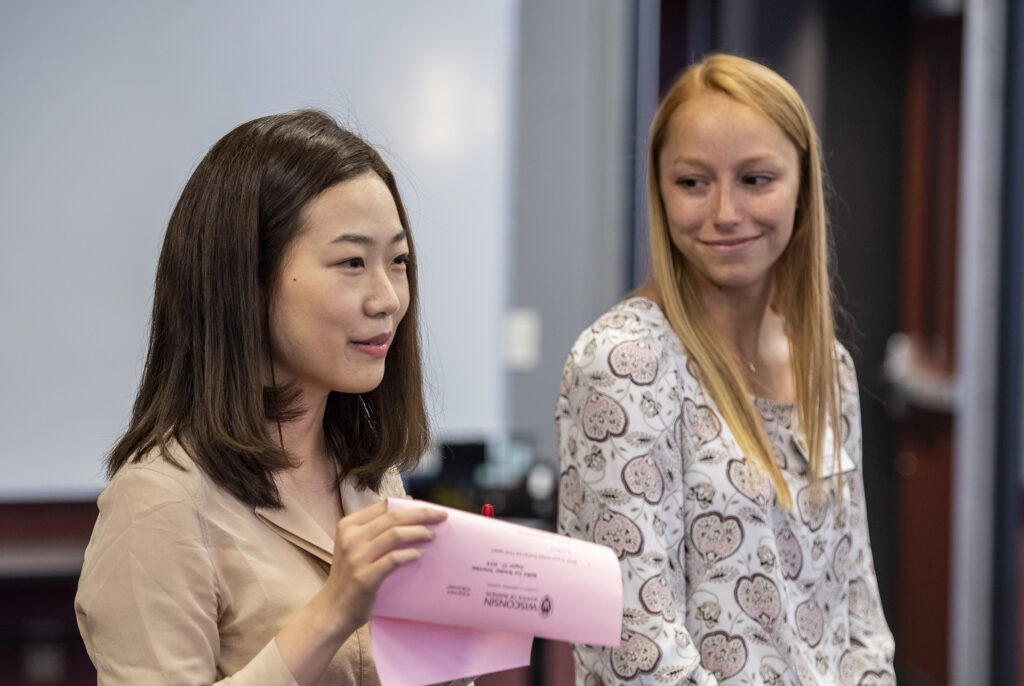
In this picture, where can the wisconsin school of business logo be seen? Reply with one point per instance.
(523, 603)
(545, 607)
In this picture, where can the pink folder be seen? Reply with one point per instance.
(480, 593)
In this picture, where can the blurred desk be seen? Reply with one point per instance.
(41, 559)
(41, 551)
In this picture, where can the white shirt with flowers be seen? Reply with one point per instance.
(721, 586)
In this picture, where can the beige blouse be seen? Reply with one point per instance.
(185, 584)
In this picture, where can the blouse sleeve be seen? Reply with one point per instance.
(871, 642)
(147, 600)
(618, 418)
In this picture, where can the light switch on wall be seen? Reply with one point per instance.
(522, 339)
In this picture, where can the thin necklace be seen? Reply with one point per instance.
(744, 360)
(749, 364)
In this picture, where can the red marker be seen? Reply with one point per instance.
(487, 510)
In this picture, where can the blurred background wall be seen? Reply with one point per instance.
(109, 106)
(517, 131)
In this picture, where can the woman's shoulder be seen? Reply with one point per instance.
(160, 474)
(847, 369)
(631, 344)
(635, 319)
(843, 355)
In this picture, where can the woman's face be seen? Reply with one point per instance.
(729, 178)
(341, 291)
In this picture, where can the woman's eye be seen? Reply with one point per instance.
(757, 179)
(352, 262)
(403, 259)
(688, 182)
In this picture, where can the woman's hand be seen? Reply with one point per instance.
(368, 546)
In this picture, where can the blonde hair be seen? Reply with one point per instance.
(801, 283)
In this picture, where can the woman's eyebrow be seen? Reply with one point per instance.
(754, 158)
(363, 239)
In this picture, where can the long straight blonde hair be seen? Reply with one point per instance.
(801, 281)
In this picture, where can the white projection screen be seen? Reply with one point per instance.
(108, 106)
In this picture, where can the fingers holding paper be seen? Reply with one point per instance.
(368, 546)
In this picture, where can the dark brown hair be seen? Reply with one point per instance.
(202, 385)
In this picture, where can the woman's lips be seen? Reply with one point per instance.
(376, 346)
(731, 245)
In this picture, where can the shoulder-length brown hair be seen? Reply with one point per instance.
(801, 281)
(203, 382)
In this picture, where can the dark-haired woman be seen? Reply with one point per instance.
(243, 535)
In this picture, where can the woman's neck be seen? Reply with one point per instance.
(756, 335)
(313, 482)
(740, 320)
(303, 437)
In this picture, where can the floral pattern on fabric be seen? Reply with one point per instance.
(721, 586)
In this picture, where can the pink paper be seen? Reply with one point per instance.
(415, 653)
(480, 593)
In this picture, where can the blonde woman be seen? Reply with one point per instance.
(709, 424)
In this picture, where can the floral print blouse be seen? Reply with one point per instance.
(721, 585)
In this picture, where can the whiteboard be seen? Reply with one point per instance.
(107, 108)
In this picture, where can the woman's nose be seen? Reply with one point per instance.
(383, 297)
(726, 212)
